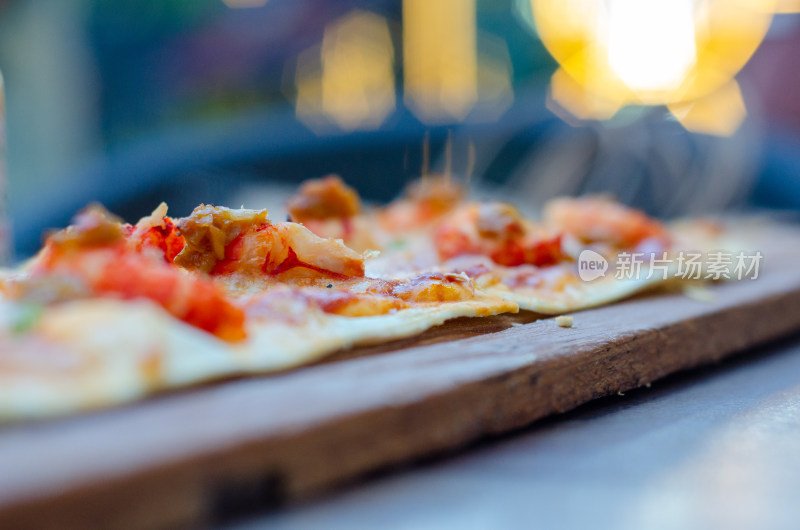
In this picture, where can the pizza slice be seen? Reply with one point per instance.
(108, 312)
(282, 270)
(535, 264)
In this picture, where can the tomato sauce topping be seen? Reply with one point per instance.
(165, 238)
(498, 231)
(95, 251)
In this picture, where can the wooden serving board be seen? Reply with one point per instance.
(204, 454)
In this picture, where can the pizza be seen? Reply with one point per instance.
(115, 311)
(535, 264)
(109, 312)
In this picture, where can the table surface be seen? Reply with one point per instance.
(717, 447)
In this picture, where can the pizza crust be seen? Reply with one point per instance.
(88, 354)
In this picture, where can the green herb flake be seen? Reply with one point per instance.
(397, 244)
(28, 315)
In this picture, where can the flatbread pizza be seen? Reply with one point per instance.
(535, 264)
(108, 312)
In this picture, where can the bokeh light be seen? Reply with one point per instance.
(440, 59)
(453, 72)
(684, 54)
(348, 80)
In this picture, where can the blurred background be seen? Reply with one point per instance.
(677, 106)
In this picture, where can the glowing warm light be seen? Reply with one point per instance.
(787, 6)
(775, 6)
(679, 53)
(349, 80)
(567, 94)
(719, 113)
(440, 59)
(651, 43)
(451, 71)
(236, 4)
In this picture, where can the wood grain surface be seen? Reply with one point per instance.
(206, 454)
